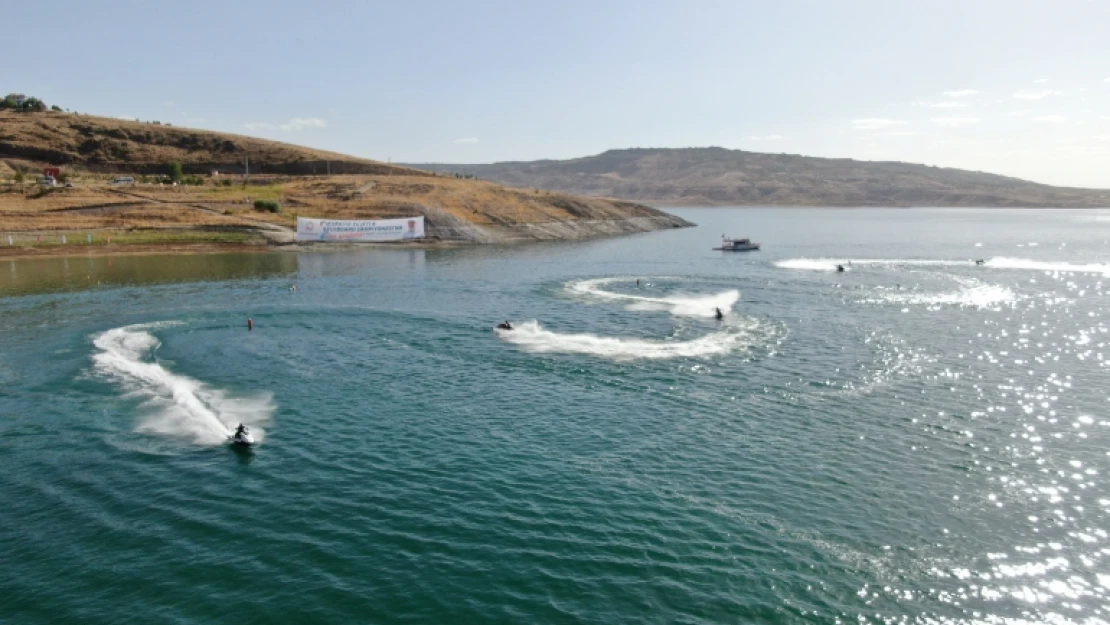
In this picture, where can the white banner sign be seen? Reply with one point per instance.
(360, 230)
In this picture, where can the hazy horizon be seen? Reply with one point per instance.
(1014, 88)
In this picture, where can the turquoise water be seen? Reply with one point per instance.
(916, 440)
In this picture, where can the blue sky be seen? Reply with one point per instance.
(1012, 87)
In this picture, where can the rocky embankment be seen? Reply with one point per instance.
(442, 225)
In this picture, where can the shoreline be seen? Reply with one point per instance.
(213, 247)
(138, 249)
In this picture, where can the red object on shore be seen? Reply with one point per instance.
(53, 172)
(250, 323)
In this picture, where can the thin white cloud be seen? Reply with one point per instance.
(954, 121)
(875, 123)
(948, 105)
(767, 138)
(896, 133)
(467, 140)
(1021, 113)
(1040, 81)
(293, 125)
(1035, 95)
(1085, 150)
(960, 93)
(193, 120)
(1050, 119)
(169, 103)
(300, 123)
(1106, 79)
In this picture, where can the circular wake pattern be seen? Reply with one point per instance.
(733, 333)
(679, 305)
(174, 405)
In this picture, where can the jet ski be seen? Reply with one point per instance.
(242, 437)
(505, 326)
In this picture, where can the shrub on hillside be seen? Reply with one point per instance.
(268, 205)
(176, 174)
(19, 102)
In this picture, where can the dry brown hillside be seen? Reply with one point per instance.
(455, 209)
(101, 144)
(221, 207)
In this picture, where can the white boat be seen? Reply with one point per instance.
(242, 437)
(736, 245)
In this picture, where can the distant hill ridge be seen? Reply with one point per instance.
(718, 176)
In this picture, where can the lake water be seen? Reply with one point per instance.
(915, 440)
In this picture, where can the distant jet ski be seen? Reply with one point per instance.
(980, 262)
(242, 436)
(505, 326)
(840, 268)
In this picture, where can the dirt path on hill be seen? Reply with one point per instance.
(272, 232)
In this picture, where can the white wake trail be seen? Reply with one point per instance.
(829, 264)
(677, 305)
(1002, 262)
(174, 405)
(532, 337)
(998, 262)
(971, 294)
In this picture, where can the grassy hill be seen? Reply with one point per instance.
(220, 208)
(716, 176)
(102, 144)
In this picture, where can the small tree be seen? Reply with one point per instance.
(56, 108)
(176, 174)
(19, 176)
(34, 105)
